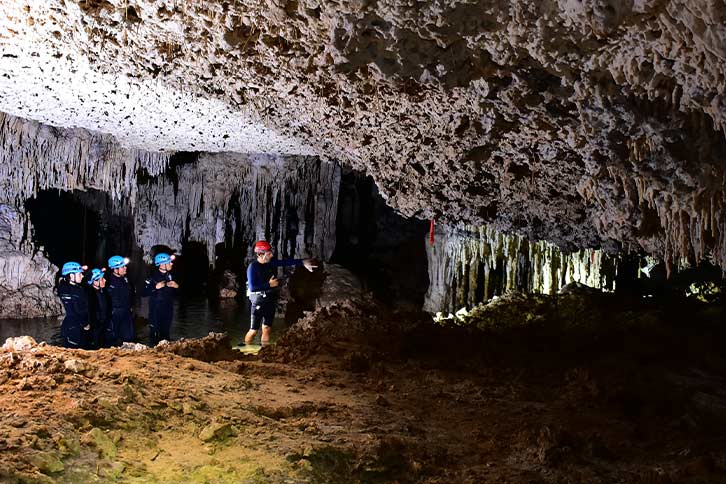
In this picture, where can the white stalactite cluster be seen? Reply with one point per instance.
(26, 278)
(289, 200)
(35, 156)
(467, 264)
(676, 209)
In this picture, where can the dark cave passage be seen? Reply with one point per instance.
(385, 250)
(66, 228)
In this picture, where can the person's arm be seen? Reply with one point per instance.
(171, 283)
(254, 281)
(308, 263)
(286, 262)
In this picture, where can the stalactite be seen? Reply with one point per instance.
(672, 187)
(34, 156)
(289, 200)
(26, 277)
(463, 252)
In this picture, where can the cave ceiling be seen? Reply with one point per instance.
(588, 123)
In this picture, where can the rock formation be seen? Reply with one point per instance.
(26, 278)
(588, 124)
(470, 265)
(289, 200)
(35, 156)
(228, 287)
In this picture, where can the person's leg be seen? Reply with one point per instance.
(74, 335)
(266, 330)
(255, 318)
(112, 335)
(250, 336)
(165, 329)
(166, 320)
(153, 326)
(268, 317)
(127, 331)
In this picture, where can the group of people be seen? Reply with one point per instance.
(99, 303)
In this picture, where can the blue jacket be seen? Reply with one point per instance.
(258, 275)
(163, 294)
(98, 302)
(75, 302)
(121, 293)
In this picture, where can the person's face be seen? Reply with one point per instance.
(166, 267)
(76, 277)
(264, 257)
(100, 283)
(121, 271)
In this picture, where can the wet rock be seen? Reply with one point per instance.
(46, 462)
(69, 445)
(217, 431)
(711, 408)
(187, 408)
(358, 362)
(25, 384)
(26, 277)
(114, 470)
(229, 287)
(102, 442)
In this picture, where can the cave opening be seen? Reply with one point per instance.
(67, 228)
(384, 249)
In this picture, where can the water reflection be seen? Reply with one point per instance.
(193, 318)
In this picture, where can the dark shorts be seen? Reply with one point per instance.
(262, 310)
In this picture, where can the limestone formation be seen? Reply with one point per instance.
(290, 201)
(470, 265)
(588, 124)
(228, 287)
(26, 277)
(35, 156)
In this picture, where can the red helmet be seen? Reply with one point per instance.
(262, 246)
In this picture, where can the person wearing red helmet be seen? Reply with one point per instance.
(263, 288)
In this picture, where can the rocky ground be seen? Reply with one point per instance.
(356, 393)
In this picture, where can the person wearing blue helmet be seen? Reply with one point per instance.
(98, 307)
(161, 288)
(75, 302)
(121, 294)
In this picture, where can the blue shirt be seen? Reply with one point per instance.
(258, 275)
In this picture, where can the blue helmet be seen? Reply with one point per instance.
(117, 262)
(71, 268)
(96, 274)
(162, 258)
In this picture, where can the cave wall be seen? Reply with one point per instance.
(588, 124)
(26, 277)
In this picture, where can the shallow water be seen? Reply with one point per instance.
(193, 318)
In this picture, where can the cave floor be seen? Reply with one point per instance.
(341, 416)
